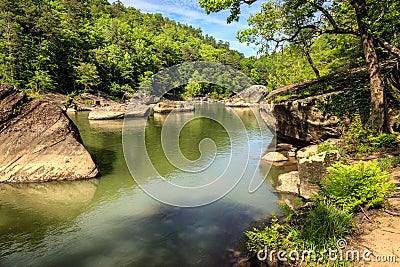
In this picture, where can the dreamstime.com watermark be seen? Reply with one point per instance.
(339, 254)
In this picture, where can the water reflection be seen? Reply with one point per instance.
(111, 222)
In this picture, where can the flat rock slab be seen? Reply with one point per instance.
(275, 157)
(39, 142)
(176, 106)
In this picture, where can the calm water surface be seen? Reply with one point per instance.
(111, 222)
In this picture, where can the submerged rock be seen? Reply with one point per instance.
(39, 142)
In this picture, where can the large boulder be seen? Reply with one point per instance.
(313, 169)
(307, 151)
(39, 142)
(177, 106)
(300, 121)
(289, 183)
(251, 96)
(108, 113)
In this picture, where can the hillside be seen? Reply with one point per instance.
(71, 46)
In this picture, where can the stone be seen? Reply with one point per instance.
(274, 157)
(254, 94)
(177, 106)
(313, 169)
(39, 142)
(108, 113)
(71, 110)
(288, 183)
(284, 147)
(249, 97)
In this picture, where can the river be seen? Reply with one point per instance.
(110, 221)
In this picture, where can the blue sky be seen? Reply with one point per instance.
(189, 12)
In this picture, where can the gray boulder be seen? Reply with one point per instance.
(251, 96)
(274, 157)
(177, 106)
(39, 142)
(289, 183)
(254, 94)
(313, 169)
(108, 113)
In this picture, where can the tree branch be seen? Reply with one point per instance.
(391, 48)
(327, 15)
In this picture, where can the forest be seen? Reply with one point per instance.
(75, 46)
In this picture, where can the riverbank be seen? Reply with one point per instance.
(344, 195)
(379, 230)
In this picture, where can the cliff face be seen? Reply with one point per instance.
(300, 121)
(38, 142)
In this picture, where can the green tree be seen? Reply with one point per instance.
(86, 74)
(289, 21)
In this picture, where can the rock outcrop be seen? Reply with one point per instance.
(249, 97)
(39, 142)
(140, 105)
(300, 121)
(289, 183)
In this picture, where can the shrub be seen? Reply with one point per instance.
(387, 164)
(325, 224)
(326, 146)
(383, 141)
(361, 139)
(269, 236)
(350, 186)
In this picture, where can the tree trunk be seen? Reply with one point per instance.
(311, 62)
(379, 114)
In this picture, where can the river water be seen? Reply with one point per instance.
(110, 221)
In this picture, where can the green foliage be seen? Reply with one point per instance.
(269, 236)
(317, 229)
(87, 75)
(352, 186)
(88, 45)
(387, 164)
(361, 139)
(192, 89)
(325, 224)
(325, 146)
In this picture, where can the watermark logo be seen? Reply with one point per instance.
(338, 254)
(216, 186)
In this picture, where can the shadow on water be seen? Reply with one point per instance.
(104, 159)
(170, 237)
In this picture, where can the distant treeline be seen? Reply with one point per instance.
(73, 46)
